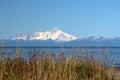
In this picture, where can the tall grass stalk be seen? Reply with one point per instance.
(56, 67)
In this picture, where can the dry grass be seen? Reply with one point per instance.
(56, 67)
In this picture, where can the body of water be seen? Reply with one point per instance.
(110, 54)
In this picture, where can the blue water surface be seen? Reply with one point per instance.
(111, 54)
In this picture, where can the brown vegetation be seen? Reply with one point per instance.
(56, 67)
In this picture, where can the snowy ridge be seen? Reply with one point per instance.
(54, 34)
(21, 36)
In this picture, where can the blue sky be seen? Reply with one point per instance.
(81, 18)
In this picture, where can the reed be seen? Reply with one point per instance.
(56, 67)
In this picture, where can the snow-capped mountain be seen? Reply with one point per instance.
(54, 34)
(49, 38)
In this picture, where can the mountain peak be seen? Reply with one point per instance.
(55, 30)
(54, 34)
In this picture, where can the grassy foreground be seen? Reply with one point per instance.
(55, 67)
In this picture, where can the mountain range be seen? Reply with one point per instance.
(57, 37)
(54, 34)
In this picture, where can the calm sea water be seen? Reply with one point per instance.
(111, 54)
